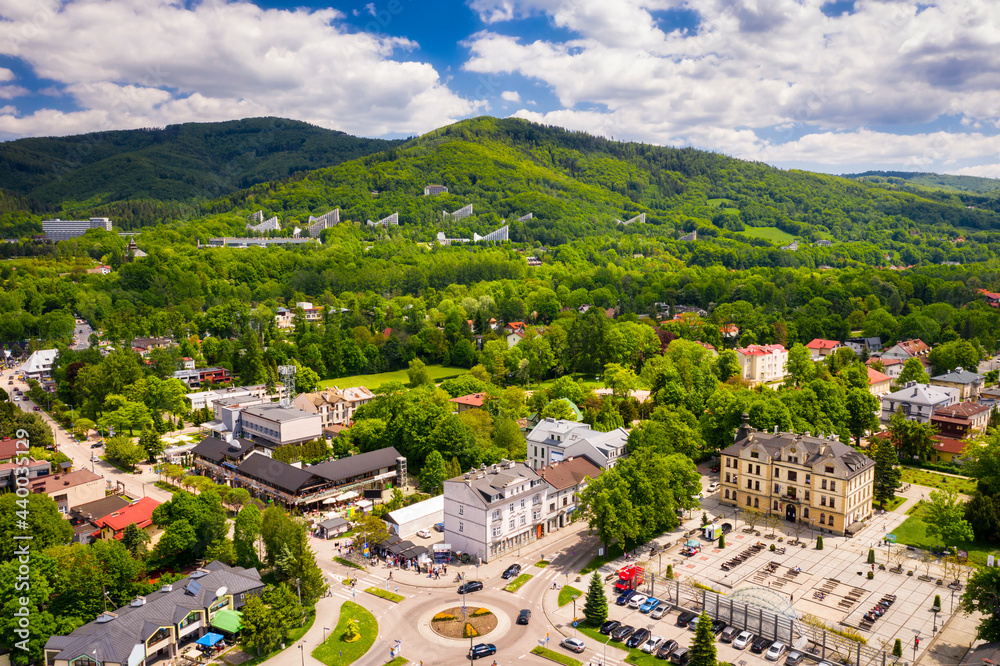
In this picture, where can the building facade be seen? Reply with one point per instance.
(918, 401)
(565, 479)
(555, 440)
(59, 230)
(961, 420)
(334, 406)
(969, 384)
(820, 348)
(762, 363)
(824, 483)
(39, 364)
(279, 425)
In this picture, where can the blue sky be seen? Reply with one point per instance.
(835, 86)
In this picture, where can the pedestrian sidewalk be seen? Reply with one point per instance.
(951, 644)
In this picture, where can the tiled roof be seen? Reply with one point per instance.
(949, 445)
(914, 347)
(351, 466)
(962, 410)
(52, 482)
(473, 399)
(876, 377)
(217, 450)
(277, 474)
(570, 472)
(760, 350)
(814, 448)
(959, 376)
(140, 513)
(820, 343)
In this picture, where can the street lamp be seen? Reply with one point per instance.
(302, 653)
(325, 629)
(935, 619)
(575, 597)
(605, 660)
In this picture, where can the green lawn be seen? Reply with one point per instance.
(567, 593)
(557, 657)
(516, 584)
(293, 636)
(773, 234)
(541, 564)
(385, 594)
(329, 651)
(398, 661)
(436, 372)
(922, 477)
(635, 656)
(347, 563)
(913, 532)
(893, 503)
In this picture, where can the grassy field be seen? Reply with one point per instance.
(913, 532)
(922, 477)
(893, 503)
(557, 657)
(329, 651)
(516, 584)
(773, 234)
(398, 661)
(293, 636)
(436, 372)
(567, 593)
(635, 656)
(385, 594)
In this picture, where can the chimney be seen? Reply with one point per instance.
(775, 429)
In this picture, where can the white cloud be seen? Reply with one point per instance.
(752, 66)
(162, 62)
(511, 96)
(983, 171)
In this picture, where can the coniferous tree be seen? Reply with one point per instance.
(703, 647)
(595, 606)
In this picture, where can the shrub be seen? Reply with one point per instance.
(773, 548)
(871, 556)
(819, 543)
(469, 631)
(670, 571)
(722, 541)
(442, 617)
(871, 575)
(353, 633)
(937, 601)
(481, 611)
(897, 648)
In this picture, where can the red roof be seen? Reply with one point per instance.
(760, 350)
(820, 343)
(949, 445)
(705, 345)
(876, 377)
(140, 513)
(473, 399)
(915, 347)
(729, 328)
(9, 448)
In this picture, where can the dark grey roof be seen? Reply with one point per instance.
(333, 522)
(114, 640)
(100, 508)
(278, 413)
(346, 468)
(491, 481)
(959, 376)
(217, 450)
(277, 474)
(815, 448)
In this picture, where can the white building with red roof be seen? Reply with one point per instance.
(471, 401)
(820, 348)
(140, 512)
(762, 363)
(879, 383)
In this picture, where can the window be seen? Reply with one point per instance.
(512, 506)
(565, 501)
(758, 469)
(777, 473)
(511, 523)
(523, 519)
(829, 469)
(822, 519)
(777, 489)
(756, 503)
(461, 526)
(833, 502)
(805, 512)
(84, 661)
(808, 477)
(749, 484)
(833, 485)
(552, 507)
(536, 451)
(754, 454)
(727, 462)
(461, 510)
(756, 486)
(496, 514)
(807, 495)
(822, 484)
(748, 500)
(793, 476)
(725, 493)
(775, 505)
(522, 504)
(496, 532)
(822, 500)
(830, 522)
(727, 477)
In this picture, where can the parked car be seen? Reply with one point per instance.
(666, 649)
(511, 571)
(712, 487)
(624, 597)
(652, 644)
(686, 618)
(743, 640)
(36, 408)
(649, 605)
(471, 586)
(95, 445)
(794, 658)
(609, 626)
(424, 534)
(775, 651)
(439, 527)
(524, 616)
(718, 626)
(728, 634)
(714, 468)
(637, 600)
(622, 632)
(638, 638)
(760, 644)
(659, 612)
(573, 644)
(680, 656)
(95, 458)
(482, 650)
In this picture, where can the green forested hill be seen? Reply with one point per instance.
(185, 162)
(934, 181)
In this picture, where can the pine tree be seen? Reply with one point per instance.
(595, 606)
(703, 646)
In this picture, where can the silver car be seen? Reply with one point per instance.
(743, 640)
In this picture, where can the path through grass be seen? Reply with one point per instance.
(329, 651)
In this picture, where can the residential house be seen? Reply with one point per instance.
(284, 318)
(145, 345)
(160, 626)
(918, 401)
(335, 406)
(822, 482)
(434, 190)
(566, 479)
(878, 383)
(823, 242)
(69, 490)
(554, 440)
(103, 269)
(140, 512)
(907, 349)
(961, 419)
(969, 384)
(762, 363)
(82, 517)
(990, 396)
(862, 346)
(493, 510)
(472, 401)
(992, 298)
(730, 332)
(9, 472)
(39, 364)
(201, 376)
(893, 366)
(709, 348)
(820, 348)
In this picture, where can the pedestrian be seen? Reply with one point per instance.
(390, 575)
(791, 597)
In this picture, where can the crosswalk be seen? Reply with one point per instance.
(364, 581)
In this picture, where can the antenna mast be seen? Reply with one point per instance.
(287, 374)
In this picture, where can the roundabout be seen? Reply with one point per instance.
(455, 624)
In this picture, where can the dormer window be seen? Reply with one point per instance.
(754, 454)
(829, 469)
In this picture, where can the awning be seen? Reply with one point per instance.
(228, 621)
(692, 543)
(343, 497)
(209, 639)
(330, 500)
(364, 505)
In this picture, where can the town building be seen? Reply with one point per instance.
(335, 406)
(461, 213)
(917, 401)
(822, 482)
(500, 234)
(140, 512)
(325, 221)
(566, 479)
(820, 348)
(879, 383)
(466, 402)
(554, 440)
(893, 366)
(39, 364)
(83, 516)
(386, 222)
(69, 490)
(60, 230)
(145, 345)
(202, 376)
(207, 399)
(688, 238)
(907, 349)
(961, 420)
(762, 363)
(434, 190)
(861, 346)
(242, 243)
(9, 472)
(990, 396)
(278, 424)
(968, 384)
(406, 521)
(159, 626)
(285, 317)
(493, 510)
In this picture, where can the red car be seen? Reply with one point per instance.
(37, 408)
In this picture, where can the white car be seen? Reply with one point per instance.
(712, 487)
(743, 640)
(775, 651)
(637, 600)
(424, 534)
(653, 644)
